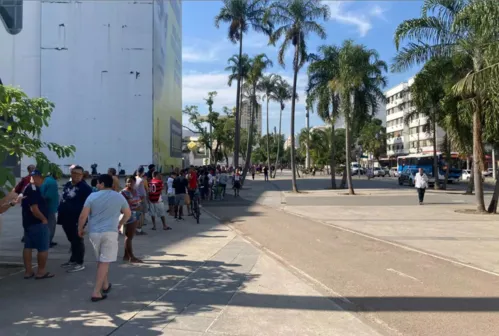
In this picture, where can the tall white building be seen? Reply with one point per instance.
(113, 69)
(402, 138)
(246, 118)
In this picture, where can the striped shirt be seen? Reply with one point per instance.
(155, 189)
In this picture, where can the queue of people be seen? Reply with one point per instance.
(105, 210)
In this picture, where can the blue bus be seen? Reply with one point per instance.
(425, 161)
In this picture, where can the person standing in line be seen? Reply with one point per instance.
(36, 229)
(19, 188)
(421, 183)
(102, 210)
(156, 205)
(253, 172)
(237, 183)
(266, 173)
(134, 202)
(50, 193)
(171, 193)
(150, 173)
(192, 178)
(142, 186)
(74, 195)
(180, 187)
(116, 180)
(223, 179)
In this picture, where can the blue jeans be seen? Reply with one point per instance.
(37, 236)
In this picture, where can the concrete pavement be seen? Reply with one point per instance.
(410, 269)
(196, 280)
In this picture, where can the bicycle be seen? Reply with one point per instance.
(195, 208)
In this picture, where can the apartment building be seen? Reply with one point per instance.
(414, 136)
(246, 118)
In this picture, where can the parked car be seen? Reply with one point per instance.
(356, 168)
(394, 172)
(386, 170)
(378, 172)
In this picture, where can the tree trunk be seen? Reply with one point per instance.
(249, 148)
(293, 106)
(278, 144)
(477, 158)
(238, 106)
(333, 159)
(349, 101)
(435, 158)
(268, 138)
(448, 161)
(307, 148)
(343, 183)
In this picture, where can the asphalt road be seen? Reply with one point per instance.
(398, 291)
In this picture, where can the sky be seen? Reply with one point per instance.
(206, 49)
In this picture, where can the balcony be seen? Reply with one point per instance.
(394, 141)
(394, 116)
(396, 152)
(418, 122)
(420, 136)
(395, 128)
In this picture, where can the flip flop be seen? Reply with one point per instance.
(136, 261)
(29, 276)
(97, 299)
(153, 229)
(47, 275)
(106, 291)
(167, 228)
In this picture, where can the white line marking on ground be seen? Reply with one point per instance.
(458, 201)
(396, 244)
(402, 274)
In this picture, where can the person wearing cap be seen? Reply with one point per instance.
(50, 193)
(36, 229)
(74, 195)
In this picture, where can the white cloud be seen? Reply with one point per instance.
(362, 20)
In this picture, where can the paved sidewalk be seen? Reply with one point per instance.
(196, 280)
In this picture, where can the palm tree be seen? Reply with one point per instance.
(233, 67)
(449, 28)
(282, 94)
(240, 15)
(322, 69)
(267, 86)
(297, 20)
(359, 83)
(258, 66)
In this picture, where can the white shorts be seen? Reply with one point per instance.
(157, 209)
(105, 246)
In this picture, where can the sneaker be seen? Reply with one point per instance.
(68, 264)
(76, 268)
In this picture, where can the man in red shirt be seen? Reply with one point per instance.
(156, 205)
(192, 185)
(24, 181)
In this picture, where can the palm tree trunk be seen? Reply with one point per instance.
(249, 149)
(348, 102)
(333, 158)
(293, 106)
(343, 183)
(238, 106)
(471, 183)
(477, 158)
(268, 138)
(435, 159)
(278, 144)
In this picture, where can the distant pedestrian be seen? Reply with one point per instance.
(253, 170)
(36, 229)
(156, 205)
(142, 188)
(180, 187)
(116, 180)
(266, 173)
(134, 202)
(50, 193)
(102, 210)
(170, 192)
(421, 183)
(74, 195)
(236, 183)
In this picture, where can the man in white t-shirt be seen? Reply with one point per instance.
(171, 193)
(103, 209)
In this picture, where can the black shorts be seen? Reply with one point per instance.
(237, 185)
